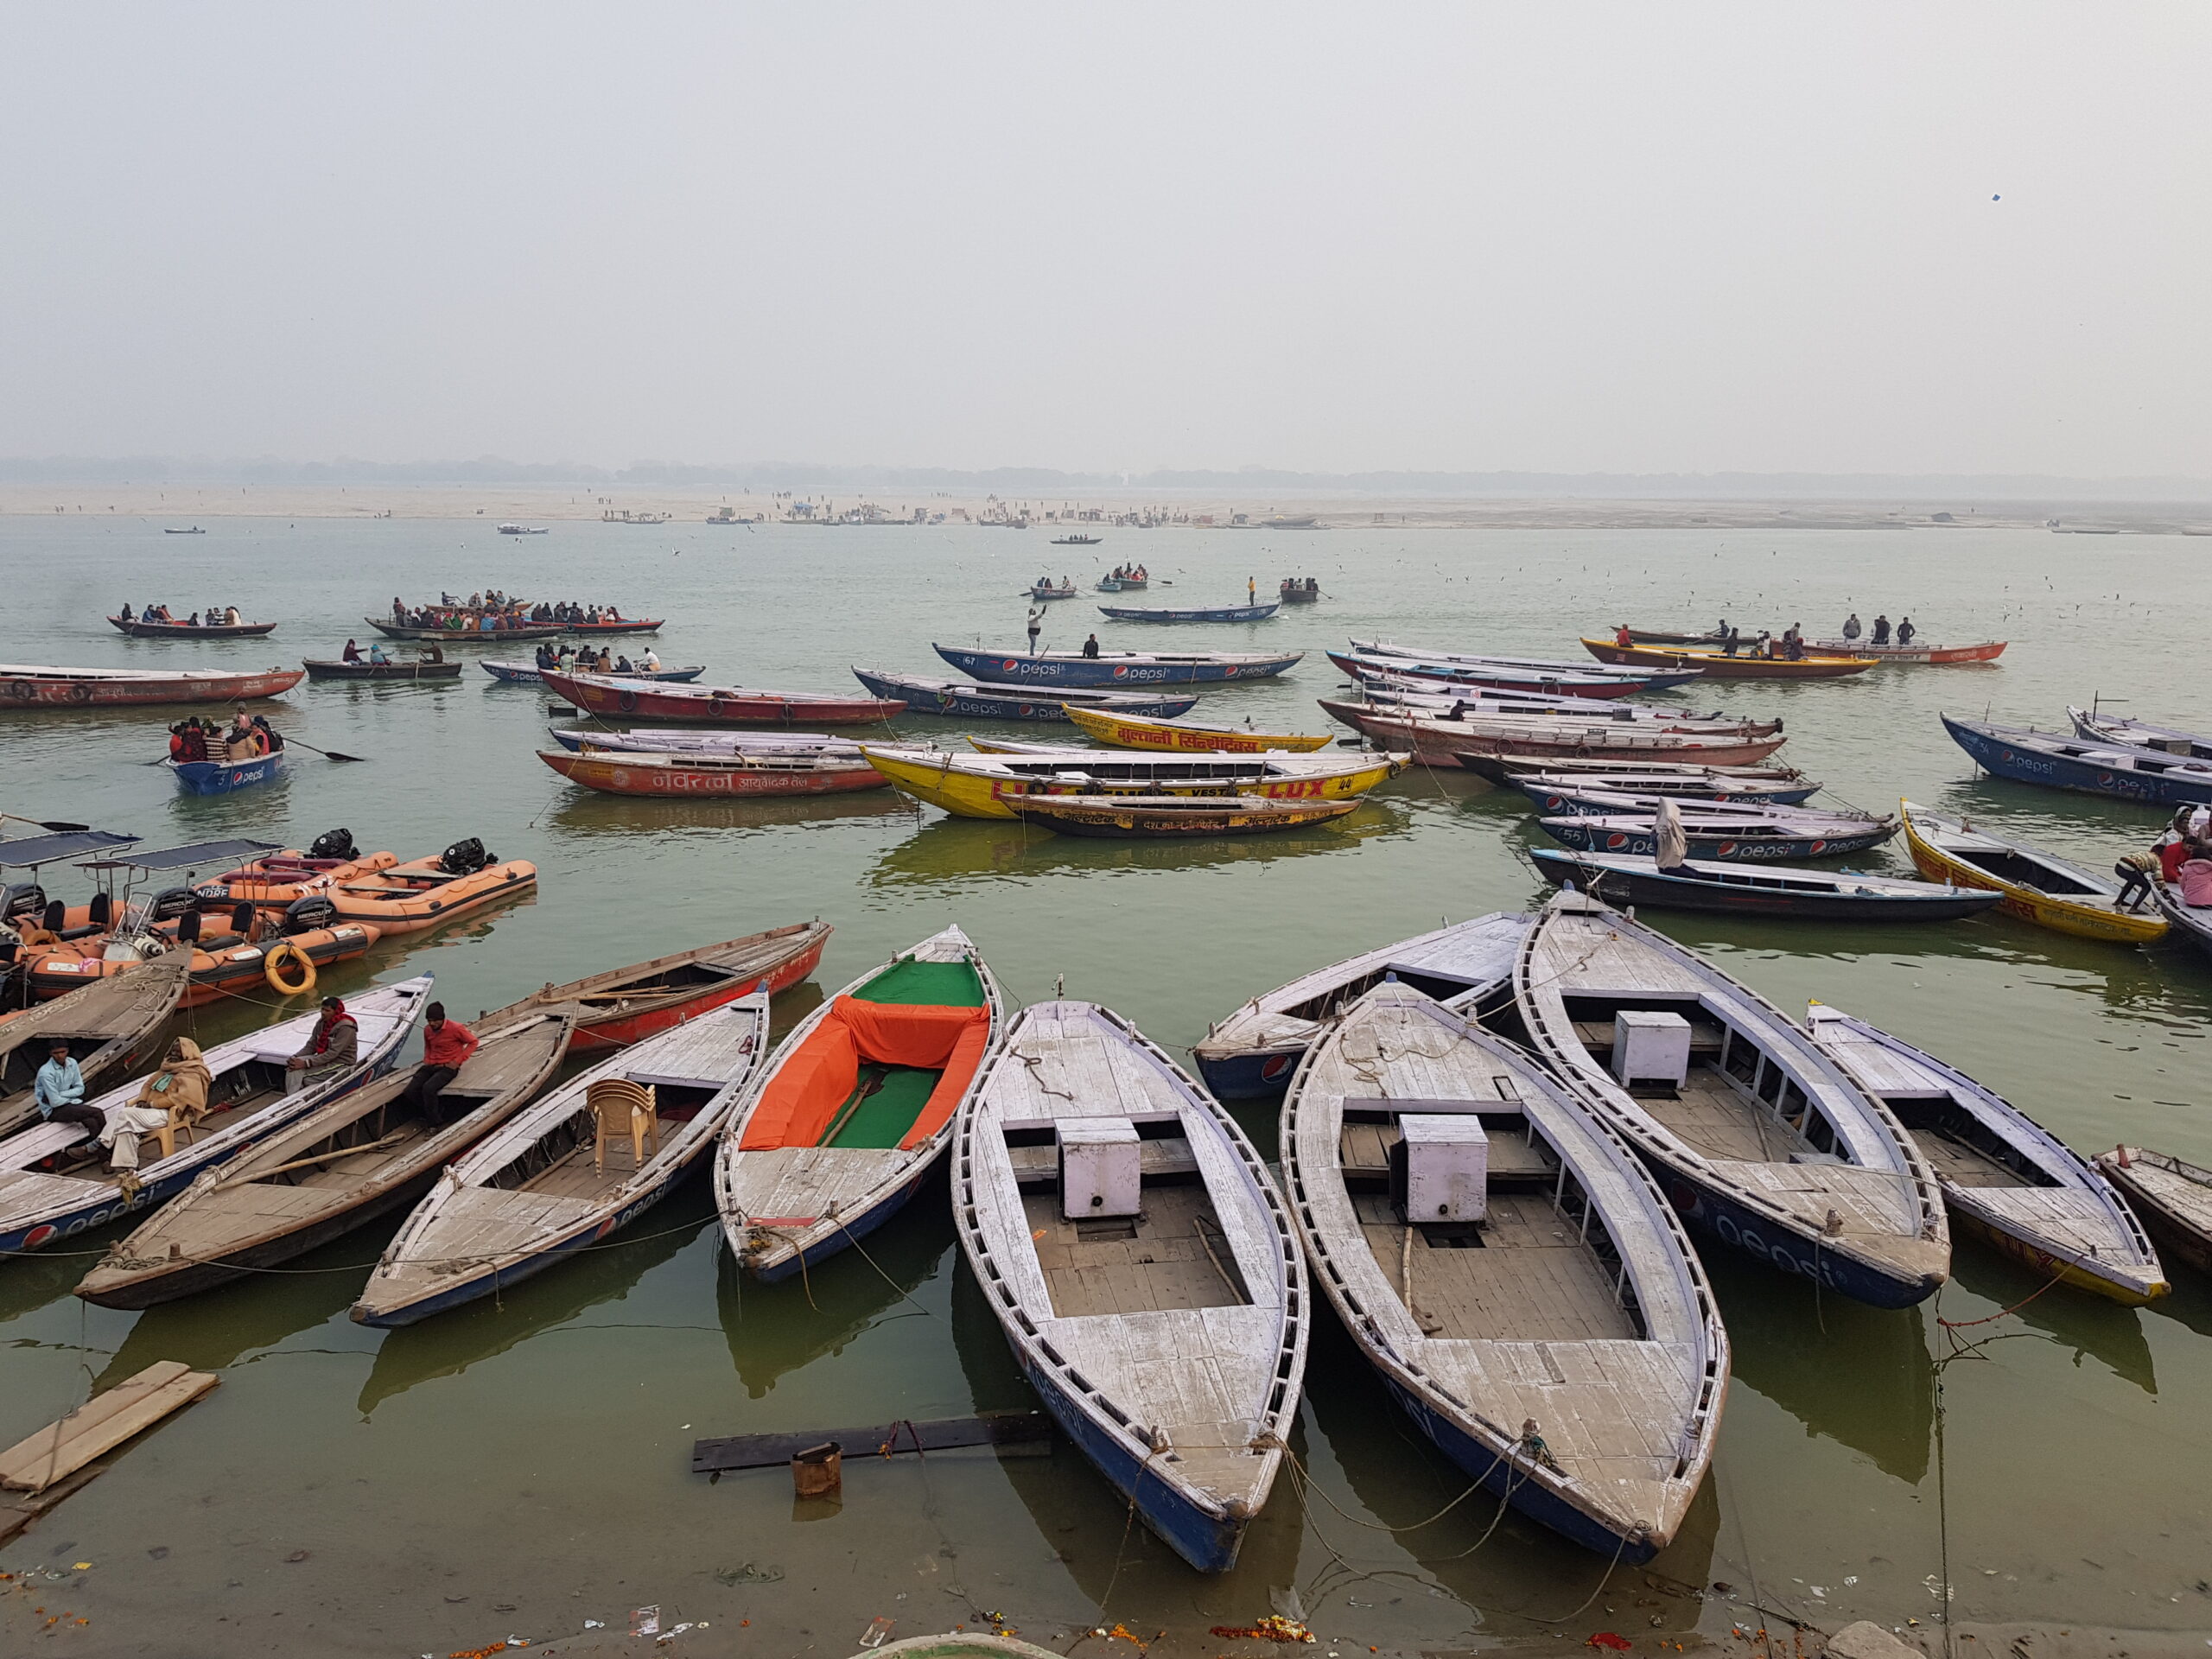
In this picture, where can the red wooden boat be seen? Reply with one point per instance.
(1479, 744)
(139, 628)
(623, 1005)
(23, 687)
(701, 777)
(620, 625)
(714, 705)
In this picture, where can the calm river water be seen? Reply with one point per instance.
(519, 1468)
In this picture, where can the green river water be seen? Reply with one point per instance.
(519, 1468)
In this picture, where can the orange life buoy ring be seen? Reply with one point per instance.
(273, 963)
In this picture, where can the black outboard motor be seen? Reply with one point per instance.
(465, 857)
(334, 843)
(172, 903)
(307, 915)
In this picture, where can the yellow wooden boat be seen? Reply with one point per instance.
(1188, 736)
(977, 786)
(2039, 888)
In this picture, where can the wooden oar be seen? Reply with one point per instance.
(55, 824)
(328, 754)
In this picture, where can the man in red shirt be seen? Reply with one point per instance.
(446, 1045)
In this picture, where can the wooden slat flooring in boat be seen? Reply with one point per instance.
(1962, 1165)
(1364, 1149)
(1597, 1036)
(1871, 1203)
(1164, 1266)
(1532, 1279)
(1155, 1159)
(788, 1183)
(486, 1222)
(1720, 1122)
(2190, 1200)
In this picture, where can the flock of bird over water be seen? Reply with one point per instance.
(1502, 1144)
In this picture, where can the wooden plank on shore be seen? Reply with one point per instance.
(1017, 1432)
(101, 1424)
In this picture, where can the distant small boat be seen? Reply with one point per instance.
(1122, 817)
(1201, 613)
(1294, 591)
(1767, 835)
(2037, 888)
(522, 530)
(1741, 889)
(1129, 730)
(618, 695)
(1557, 791)
(2007, 1179)
(223, 777)
(191, 530)
(1046, 590)
(526, 673)
(140, 628)
(1077, 541)
(1141, 1264)
(470, 635)
(1987, 651)
(1467, 966)
(708, 777)
(420, 669)
(995, 700)
(1589, 798)
(689, 739)
(1720, 667)
(1116, 671)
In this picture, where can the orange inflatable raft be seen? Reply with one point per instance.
(279, 878)
(431, 891)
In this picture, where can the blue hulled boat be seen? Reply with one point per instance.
(971, 700)
(1112, 669)
(221, 777)
(526, 673)
(2057, 761)
(1771, 838)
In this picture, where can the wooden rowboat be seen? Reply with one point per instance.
(2173, 1199)
(139, 628)
(422, 668)
(612, 696)
(1556, 791)
(2007, 1179)
(1444, 742)
(1749, 889)
(338, 1168)
(1118, 670)
(224, 777)
(108, 1026)
(2110, 729)
(1719, 665)
(2037, 887)
(985, 786)
(1253, 612)
(1467, 966)
(2191, 923)
(1987, 651)
(468, 636)
(1122, 818)
(711, 776)
(626, 1005)
(1510, 1271)
(26, 687)
(1142, 1267)
(1131, 731)
(550, 1181)
(979, 700)
(527, 673)
(249, 1101)
(1545, 679)
(2124, 771)
(834, 1133)
(1714, 829)
(1758, 1138)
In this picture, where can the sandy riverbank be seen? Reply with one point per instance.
(172, 504)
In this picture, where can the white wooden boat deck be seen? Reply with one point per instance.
(2046, 1195)
(1477, 955)
(1791, 1134)
(1181, 1331)
(1596, 1326)
(2181, 1189)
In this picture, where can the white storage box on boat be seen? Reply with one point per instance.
(1651, 1046)
(1447, 1167)
(1099, 1167)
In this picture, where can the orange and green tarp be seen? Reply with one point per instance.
(884, 1067)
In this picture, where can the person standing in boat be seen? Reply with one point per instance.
(1090, 647)
(1036, 622)
(1251, 590)
(1881, 632)
(1670, 843)
(1905, 630)
(1851, 626)
(446, 1045)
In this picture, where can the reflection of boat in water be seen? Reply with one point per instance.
(593, 814)
(1080, 1516)
(450, 1344)
(1854, 1374)
(2087, 1324)
(213, 1333)
(952, 850)
(780, 1328)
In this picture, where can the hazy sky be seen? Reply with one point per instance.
(1567, 237)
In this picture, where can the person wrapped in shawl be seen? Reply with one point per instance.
(330, 1049)
(173, 1097)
